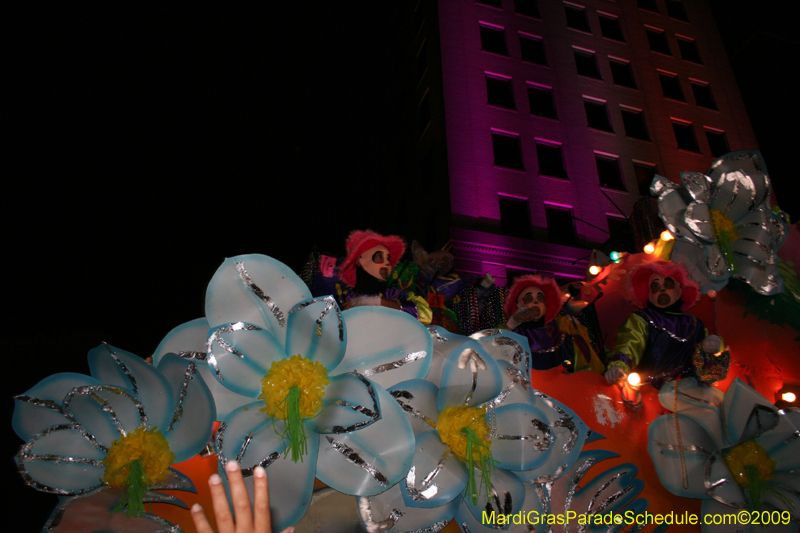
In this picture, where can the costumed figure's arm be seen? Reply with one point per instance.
(630, 346)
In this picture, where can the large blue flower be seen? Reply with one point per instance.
(71, 422)
(723, 223)
(534, 439)
(695, 452)
(260, 313)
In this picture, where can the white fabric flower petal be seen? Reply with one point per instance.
(316, 331)
(417, 397)
(387, 512)
(436, 476)
(506, 495)
(385, 345)
(190, 341)
(698, 185)
(471, 377)
(747, 414)
(40, 406)
(698, 219)
(114, 366)
(255, 289)
(664, 449)
(188, 431)
(444, 342)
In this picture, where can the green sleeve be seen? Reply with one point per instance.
(630, 343)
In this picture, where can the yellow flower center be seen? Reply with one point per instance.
(296, 371)
(147, 445)
(453, 419)
(723, 225)
(750, 454)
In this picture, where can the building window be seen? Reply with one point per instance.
(649, 5)
(586, 63)
(671, 86)
(491, 3)
(717, 142)
(541, 102)
(702, 94)
(499, 91)
(684, 134)
(551, 161)
(676, 10)
(507, 151)
(597, 114)
(689, 52)
(576, 18)
(532, 49)
(633, 120)
(644, 172)
(493, 39)
(515, 216)
(622, 73)
(608, 171)
(658, 41)
(609, 27)
(529, 8)
(620, 236)
(560, 225)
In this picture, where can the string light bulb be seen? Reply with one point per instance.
(666, 235)
(649, 248)
(615, 256)
(788, 397)
(634, 379)
(594, 270)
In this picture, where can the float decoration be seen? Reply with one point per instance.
(112, 436)
(735, 451)
(357, 438)
(724, 224)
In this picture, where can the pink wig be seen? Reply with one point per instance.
(639, 283)
(359, 242)
(552, 296)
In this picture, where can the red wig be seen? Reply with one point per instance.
(359, 242)
(552, 296)
(639, 283)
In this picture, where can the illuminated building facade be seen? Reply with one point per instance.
(555, 115)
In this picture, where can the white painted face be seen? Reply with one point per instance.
(377, 262)
(664, 291)
(533, 298)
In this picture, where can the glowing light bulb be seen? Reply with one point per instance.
(594, 270)
(634, 379)
(788, 397)
(649, 248)
(615, 256)
(666, 236)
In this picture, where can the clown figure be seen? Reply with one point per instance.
(660, 340)
(532, 305)
(367, 271)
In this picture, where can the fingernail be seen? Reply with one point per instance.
(232, 466)
(215, 479)
(196, 508)
(260, 472)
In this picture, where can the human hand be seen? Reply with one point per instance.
(247, 521)
(614, 374)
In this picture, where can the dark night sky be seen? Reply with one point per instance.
(148, 146)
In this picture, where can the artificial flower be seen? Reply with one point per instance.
(735, 451)
(122, 427)
(723, 223)
(267, 337)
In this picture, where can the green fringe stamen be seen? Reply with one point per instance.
(478, 456)
(134, 491)
(295, 427)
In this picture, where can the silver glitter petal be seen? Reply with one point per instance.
(365, 510)
(187, 378)
(519, 351)
(438, 337)
(374, 414)
(409, 358)
(223, 459)
(269, 302)
(353, 456)
(400, 395)
(91, 392)
(330, 303)
(123, 367)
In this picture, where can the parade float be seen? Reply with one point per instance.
(374, 410)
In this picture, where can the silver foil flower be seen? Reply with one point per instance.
(723, 223)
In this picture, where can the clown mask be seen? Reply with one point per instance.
(376, 262)
(664, 291)
(532, 298)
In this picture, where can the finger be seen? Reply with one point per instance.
(239, 497)
(222, 512)
(200, 520)
(261, 515)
